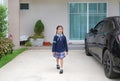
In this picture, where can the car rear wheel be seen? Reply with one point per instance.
(87, 49)
(108, 65)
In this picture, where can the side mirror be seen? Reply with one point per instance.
(93, 30)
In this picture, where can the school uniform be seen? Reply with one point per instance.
(59, 46)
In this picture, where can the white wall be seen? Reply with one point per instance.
(113, 7)
(1, 1)
(13, 20)
(5, 2)
(53, 13)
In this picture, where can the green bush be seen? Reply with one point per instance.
(3, 22)
(28, 43)
(39, 28)
(6, 46)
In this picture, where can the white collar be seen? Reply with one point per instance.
(59, 35)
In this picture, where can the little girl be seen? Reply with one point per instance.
(59, 47)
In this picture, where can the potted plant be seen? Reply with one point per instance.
(38, 38)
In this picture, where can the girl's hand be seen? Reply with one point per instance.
(66, 53)
(53, 53)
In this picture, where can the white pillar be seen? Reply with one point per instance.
(13, 20)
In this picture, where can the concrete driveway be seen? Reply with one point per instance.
(39, 65)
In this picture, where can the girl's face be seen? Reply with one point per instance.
(60, 30)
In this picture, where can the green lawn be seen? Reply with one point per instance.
(7, 58)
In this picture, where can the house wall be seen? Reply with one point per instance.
(13, 21)
(53, 13)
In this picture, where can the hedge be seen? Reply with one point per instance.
(6, 46)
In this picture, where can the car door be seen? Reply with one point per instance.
(101, 38)
(92, 38)
(96, 35)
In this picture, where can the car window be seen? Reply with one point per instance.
(99, 26)
(107, 26)
(118, 22)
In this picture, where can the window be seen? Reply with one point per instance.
(97, 11)
(84, 16)
(107, 26)
(78, 20)
(99, 26)
(24, 6)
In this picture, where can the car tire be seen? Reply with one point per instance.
(87, 49)
(108, 65)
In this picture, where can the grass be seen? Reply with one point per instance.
(7, 58)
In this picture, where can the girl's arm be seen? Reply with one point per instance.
(66, 45)
(54, 44)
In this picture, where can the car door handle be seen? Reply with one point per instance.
(94, 43)
(102, 37)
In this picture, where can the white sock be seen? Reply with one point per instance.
(61, 68)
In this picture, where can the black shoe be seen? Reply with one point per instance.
(61, 71)
(58, 67)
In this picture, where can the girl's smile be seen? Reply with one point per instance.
(60, 30)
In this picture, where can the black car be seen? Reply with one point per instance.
(103, 42)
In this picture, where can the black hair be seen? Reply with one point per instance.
(59, 27)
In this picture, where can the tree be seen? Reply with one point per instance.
(3, 21)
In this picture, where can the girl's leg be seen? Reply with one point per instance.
(57, 61)
(61, 63)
